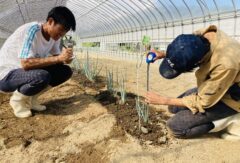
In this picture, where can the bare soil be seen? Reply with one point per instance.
(127, 117)
(84, 123)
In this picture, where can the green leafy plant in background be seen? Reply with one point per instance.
(146, 40)
(91, 44)
(127, 47)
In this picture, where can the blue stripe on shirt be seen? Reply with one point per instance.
(28, 40)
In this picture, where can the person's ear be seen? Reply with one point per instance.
(50, 21)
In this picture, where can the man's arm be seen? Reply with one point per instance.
(156, 99)
(34, 63)
(209, 93)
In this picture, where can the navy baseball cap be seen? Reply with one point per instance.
(183, 55)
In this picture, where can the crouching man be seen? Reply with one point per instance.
(215, 104)
(31, 61)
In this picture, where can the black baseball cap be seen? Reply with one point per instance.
(183, 55)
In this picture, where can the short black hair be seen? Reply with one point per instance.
(62, 15)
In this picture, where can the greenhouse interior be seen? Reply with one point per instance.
(125, 81)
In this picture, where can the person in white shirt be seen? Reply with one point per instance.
(31, 60)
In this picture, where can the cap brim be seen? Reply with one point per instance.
(167, 71)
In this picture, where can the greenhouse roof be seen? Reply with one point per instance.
(103, 17)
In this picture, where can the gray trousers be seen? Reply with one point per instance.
(185, 124)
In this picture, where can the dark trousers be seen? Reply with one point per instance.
(185, 124)
(34, 81)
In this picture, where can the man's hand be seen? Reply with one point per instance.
(66, 56)
(159, 54)
(153, 98)
(68, 61)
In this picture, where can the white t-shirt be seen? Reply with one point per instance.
(26, 42)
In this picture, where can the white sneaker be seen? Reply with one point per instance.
(21, 105)
(231, 125)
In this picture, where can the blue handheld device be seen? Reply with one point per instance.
(150, 57)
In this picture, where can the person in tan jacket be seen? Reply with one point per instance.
(214, 104)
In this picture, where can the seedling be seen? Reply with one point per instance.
(141, 107)
(109, 75)
(91, 70)
(122, 88)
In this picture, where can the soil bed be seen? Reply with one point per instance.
(126, 115)
(51, 122)
(128, 119)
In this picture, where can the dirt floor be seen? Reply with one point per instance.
(86, 124)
